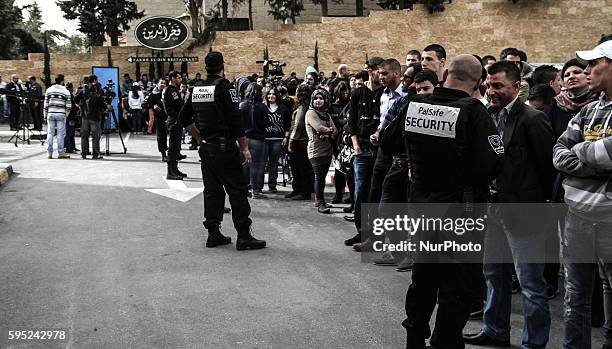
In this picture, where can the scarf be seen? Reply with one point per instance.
(569, 102)
(322, 112)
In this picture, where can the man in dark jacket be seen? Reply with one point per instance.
(90, 124)
(214, 104)
(453, 150)
(363, 121)
(173, 102)
(526, 178)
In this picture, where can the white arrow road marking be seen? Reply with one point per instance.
(178, 191)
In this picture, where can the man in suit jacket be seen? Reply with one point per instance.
(14, 103)
(513, 235)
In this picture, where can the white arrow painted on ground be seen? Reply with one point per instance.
(178, 191)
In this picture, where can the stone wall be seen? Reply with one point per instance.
(547, 30)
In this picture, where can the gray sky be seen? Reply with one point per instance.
(53, 17)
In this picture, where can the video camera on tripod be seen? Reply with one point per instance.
(108, 92)
(274, 71)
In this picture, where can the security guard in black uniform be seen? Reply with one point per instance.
(214, 102)
(454, 150)
(173, 102)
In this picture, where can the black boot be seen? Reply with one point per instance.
(215, 238)
(164, 157)
(176, 170)
(246, 241)
(172, 175)
(182, 156)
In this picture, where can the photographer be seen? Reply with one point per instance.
(91, 114)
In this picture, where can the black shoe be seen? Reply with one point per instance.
(248, 242)
(164, 157)
(182, 157)
(349, 218)
(84, 156)
(355, 239)
(193, 147)
(272, 190)
(348, 209)
(481, 339)
(184, 175)
(227, 210)
(324, 208)
(291, 195)
(337, 199)
(97, 157)
(347, 200)
(217, 239)
(174, 177)
(405, 265)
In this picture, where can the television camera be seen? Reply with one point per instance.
(273, 71)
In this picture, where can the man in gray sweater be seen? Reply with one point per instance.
(584, 153)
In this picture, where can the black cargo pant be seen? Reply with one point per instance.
(447, 285)
(162, 132)
(88, 127)
(174, 144)
(222, 172)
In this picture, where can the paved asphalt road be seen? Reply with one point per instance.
(86, 248)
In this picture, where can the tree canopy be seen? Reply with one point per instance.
(99, 17)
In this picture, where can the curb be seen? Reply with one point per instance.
(6, 171)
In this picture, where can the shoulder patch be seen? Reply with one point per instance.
(496, 143)
(175, 95)
(203, 94)
(234, 95)
(433, 120)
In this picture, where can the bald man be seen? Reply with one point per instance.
(454, 150)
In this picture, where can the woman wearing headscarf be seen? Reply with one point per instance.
(339, 114)
(301, 168)
(321, 130)
(253, 113)
(276, 127)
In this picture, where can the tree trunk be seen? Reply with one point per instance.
(402, 4)
(359, 7)
(324, 10)
(195, 20)
(224, 14)
(250, 14)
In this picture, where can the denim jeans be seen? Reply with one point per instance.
(581, 239)
(136, 120)
(363, 165)
(56, 121)
(258, 156)
(498, 276)
(273, 154)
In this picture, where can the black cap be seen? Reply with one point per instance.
(213, 60)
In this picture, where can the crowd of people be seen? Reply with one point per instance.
(545, 139)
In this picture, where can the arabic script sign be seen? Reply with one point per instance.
(161, 33)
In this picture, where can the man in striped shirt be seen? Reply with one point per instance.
(584, 153)
(57, 107)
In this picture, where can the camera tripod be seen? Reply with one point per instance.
(25, 115)
(107, 131)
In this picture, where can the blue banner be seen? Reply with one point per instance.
(106, 75)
